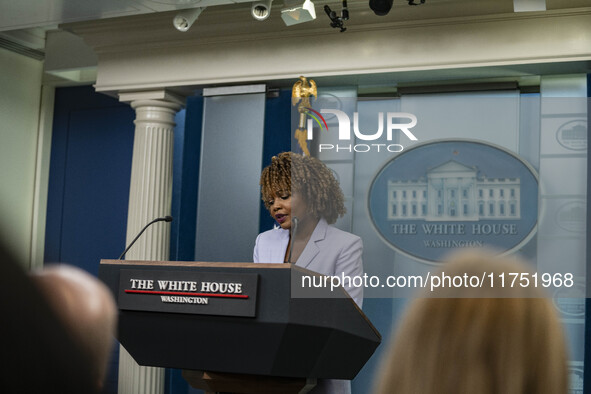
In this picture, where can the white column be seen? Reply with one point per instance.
(150, 197)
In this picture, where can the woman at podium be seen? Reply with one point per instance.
(304, 198)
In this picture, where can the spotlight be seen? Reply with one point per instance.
(185, 19)
(261, 10)
(338, 21)
(299, 13)
(381, 7)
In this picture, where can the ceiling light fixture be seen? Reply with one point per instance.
(300, 12)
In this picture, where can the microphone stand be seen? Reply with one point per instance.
(294, 228)
(162, 219)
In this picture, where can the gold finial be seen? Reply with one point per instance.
(300, 93)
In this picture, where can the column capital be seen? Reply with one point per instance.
(156, 97)
(158, 113)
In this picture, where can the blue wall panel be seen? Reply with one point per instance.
(89, 177)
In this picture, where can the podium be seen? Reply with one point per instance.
(223, 323)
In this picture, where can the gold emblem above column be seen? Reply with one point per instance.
(300, 93)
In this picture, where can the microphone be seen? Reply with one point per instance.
(162, 219)
(294, 228)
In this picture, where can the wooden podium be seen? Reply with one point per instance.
(239, 327)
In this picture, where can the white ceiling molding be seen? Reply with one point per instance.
(146, 52)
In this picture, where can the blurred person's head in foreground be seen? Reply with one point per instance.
(87, 308)
(41, 352)
(487, 340)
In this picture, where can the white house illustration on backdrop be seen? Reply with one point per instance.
(453, 192)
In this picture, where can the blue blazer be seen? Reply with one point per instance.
(329, 251)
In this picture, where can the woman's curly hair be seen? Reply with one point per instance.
(309, 177)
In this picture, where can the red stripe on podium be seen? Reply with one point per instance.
(186, 294)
